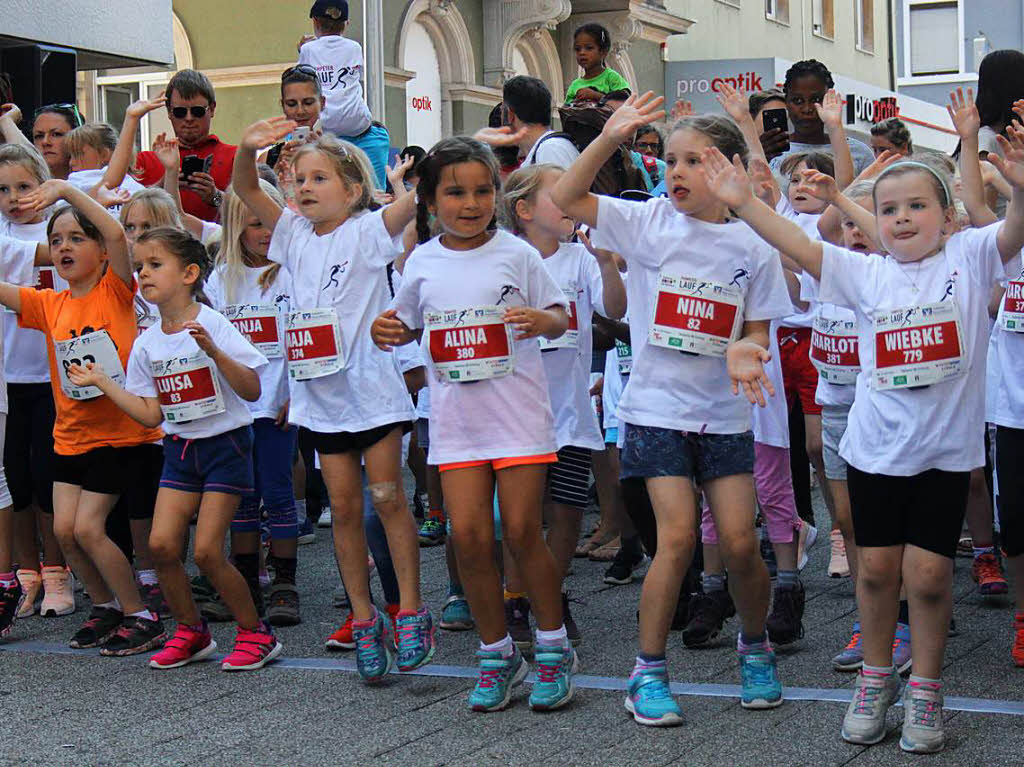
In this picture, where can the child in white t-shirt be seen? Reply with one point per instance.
(706, 291)
(479, 297)
(345, 392)
(591, 282)
(922, 325)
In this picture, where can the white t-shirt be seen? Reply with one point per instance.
(666, 388)
(558, 151)
(87, 179)
(808, 222)
(156, 346)
(25, 358)
(502, 417)
(828, 394)
(339, 63)
(568, 370)
(1004, 399)
(17, 267)
(345, 270)
(905, 432)
(423, 395)
(210, 230)
(770, 423)
(273, 375)
(611, 391)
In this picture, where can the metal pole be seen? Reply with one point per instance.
(373, 35)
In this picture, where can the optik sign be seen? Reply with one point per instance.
(699, 81)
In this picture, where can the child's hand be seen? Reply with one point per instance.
(388, 331)
(600, 254)
(91, 374)
(734, 103)
(588, 94)
(1011, 164)
(728, 181)
(45, 195)
(635, 113)
(141, 108)
(1018, 108)
(303, 40)
(527, 321)
(267, 132)
(166, 151)
(12, 111)
(745, 363)
(830, 110)
(396, 175)
(681, 109)
(202, 338)
(820, 185)
(108, 197)
(964, 113)
(765, 186)
(883, 161)
(281, 421)
(499, 137)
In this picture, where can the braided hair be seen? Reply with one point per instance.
(449, 151)
(808, 67)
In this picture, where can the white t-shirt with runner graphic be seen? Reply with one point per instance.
(338, 62)
(1004, 398)
(907, 431)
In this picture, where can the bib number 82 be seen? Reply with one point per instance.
(693, 324)
(465, 353)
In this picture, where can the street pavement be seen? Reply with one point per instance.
(63, 707)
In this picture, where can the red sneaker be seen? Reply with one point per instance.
(186, 646)
(342, 639)
(1017, 653)
(988, 574)
(254, 648)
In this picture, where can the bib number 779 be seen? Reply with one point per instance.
(913, 355)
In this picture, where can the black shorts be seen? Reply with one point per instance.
(569, 479)
(926, 510)
(1010, 501)
(109, 470)
(330, 443)
(28, 445)
(139, 497)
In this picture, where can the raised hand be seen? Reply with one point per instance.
(635, 113)
(734, 102)
(141, 108)
(12, 111)
(830, 110)
(499, 137)
(745, 362)
(166, 151)
(388, 331)
(45, 195)
(1011, 164)
(108, 197)
(682, 108)
(267, 132)
(728, 181)
(964, 113)
(600, 254)
(820, 185)
(765, 186)
(396, 175)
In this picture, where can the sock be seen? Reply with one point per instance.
(748, 643)
(922, 681)
(645, 662)
(284, 568)
(249, 566)
(904, 616)
(712, 582)
(503, 645)
(300, 510)
(144, 613)
(147, 577)
(8, 579)
(978, 551)
(878, 670)
(514, 595)
(788, 577)
(556, 638)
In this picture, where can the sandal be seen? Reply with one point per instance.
(607, 552)
(596, 540)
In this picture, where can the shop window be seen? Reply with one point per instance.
(865, 12)
(824, 18)
(934, 39)
(777, 10)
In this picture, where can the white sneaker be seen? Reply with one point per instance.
(864, 723)
(922, 719)
(838, 565)
(807, 536)
(58, 593)
(325, 518)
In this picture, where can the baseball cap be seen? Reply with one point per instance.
(331, 9)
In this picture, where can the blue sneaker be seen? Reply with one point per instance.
(761, 685)
(416, 643)
(650, 701)
(554, 687)
(498, 676)
(455, 616)
(374, 647)
(852, 656)
(902, 655)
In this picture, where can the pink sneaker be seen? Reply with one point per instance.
(186, 646)
(254, 648)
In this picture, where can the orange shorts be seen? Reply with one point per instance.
(501, 463)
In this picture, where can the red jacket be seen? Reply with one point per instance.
(152, 172)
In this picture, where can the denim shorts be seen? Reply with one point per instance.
(220, 464)
(650, 451)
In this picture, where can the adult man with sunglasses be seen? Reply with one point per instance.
(191, 103)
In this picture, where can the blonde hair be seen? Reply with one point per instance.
(232, 254)
(522, 185)
(99, 136)
(29, 159)
(349, 161)
(160, 205)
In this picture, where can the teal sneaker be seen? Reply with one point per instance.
(455, 615)
(375, 643)
(416, 642)
(498, 676)
(554, 687)
(760, 679)
(650, 701)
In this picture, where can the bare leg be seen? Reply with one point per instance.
(65, 507)
(167, 542)
(929, 580)
(878, 601)
(215, 513)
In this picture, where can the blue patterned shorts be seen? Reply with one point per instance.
(651, 451)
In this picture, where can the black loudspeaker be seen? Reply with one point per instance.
(40, 75)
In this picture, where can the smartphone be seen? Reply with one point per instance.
(775, 119)
(301, 133)
(193, 164)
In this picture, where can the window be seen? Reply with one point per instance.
(824, 18)
(777, 10)
(865, 25)
(934, 39)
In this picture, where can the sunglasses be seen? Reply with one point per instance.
(182, 112)
(646, 145)
(71, 109)
(304, 69)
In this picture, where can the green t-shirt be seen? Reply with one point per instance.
(606, 82)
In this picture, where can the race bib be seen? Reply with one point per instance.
(696, 316)
(470, 344)
(313, 338)
(1013, 307)
(98, 348)
(188, 388)
(834, 350)
(45, 278)
(259, 324)
(918, 346)
(570, 339)
(624, 358)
